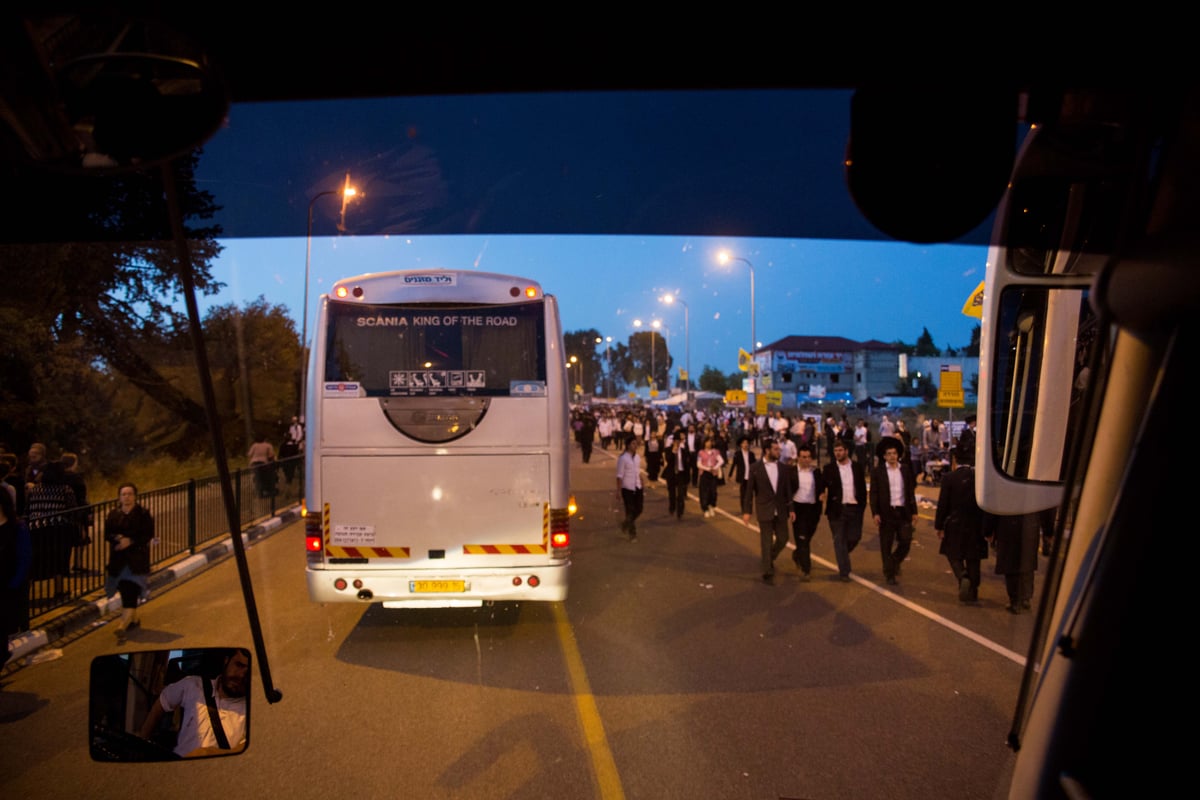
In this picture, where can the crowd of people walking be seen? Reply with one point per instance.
(774, 461)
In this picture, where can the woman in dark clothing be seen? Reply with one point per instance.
(54, 533)
(128, 531)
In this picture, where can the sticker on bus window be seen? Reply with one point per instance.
(343, 389)
(527, 388)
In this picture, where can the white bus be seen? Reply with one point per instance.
(437, 442)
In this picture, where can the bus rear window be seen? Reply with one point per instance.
(405, 351)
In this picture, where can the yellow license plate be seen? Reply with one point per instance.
(436, 586)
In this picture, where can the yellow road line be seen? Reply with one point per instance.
(608, 780)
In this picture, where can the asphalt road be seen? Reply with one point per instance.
(671, 671)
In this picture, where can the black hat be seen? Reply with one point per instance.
(964, 452)
(889, 442)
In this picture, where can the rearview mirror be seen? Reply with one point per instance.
(1056, 229)
(105, 93)
(155, 705)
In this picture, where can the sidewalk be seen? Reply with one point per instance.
(38, 644)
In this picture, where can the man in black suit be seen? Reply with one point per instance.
(693, 442)
(894, 507)
(845, 503)
(769, 495)
(959, 523)
(739, 465)
(806, 505)
(676, 466)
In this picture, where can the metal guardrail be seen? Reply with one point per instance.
(187, 518)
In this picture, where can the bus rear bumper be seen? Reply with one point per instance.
(337, 584)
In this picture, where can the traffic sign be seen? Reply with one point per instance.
(950, 391)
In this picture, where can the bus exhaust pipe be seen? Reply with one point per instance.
(366, 594)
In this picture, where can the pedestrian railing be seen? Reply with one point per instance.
(187, 518)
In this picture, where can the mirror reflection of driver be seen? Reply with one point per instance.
(196, 737)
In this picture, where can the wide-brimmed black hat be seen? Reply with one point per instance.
(889, 441)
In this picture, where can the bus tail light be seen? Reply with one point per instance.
(560, 532)
(314, 540)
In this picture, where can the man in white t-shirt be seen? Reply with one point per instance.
(196, 734)
(629, 486)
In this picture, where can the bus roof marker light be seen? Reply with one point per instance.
(341, 291)
(531, 291)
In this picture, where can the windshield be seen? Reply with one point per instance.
(478, 350)
(712, 272)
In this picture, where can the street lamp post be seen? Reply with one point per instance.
(670, 299)
(725, 257)
(347, 191)
(575, 360)
(607, 341)
(637, 323)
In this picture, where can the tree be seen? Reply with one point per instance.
(254, 353)
(637, 367)
(713, 380)
(972, 349)
(925, 345)
(107, 304)
(582, 345)
(917, 387)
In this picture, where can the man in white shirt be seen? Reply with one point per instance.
(894, 507)
(629, 486)
(886, 428)
(787, 450)
(197, 736)
(768, 496)
(806, 504)
(845, 502)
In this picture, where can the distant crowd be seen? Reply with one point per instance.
(775, 461)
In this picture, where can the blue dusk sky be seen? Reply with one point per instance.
(858, 290)
(608, 199)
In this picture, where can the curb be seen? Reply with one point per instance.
(79, 620)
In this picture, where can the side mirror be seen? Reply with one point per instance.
(1055, 229)
(153, 706)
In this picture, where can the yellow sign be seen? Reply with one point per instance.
(654, 393)
(735, 396)
(745, 362)
(763, 401)
(950, 392)
(974, 305)
(683, 375)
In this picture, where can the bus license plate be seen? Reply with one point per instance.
(417, 587)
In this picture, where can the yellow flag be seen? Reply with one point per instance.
(744, 360)
(974, 305)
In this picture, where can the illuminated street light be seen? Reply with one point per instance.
(347, 191)
(671, 299)
(655, 324)
(576, 361)
(607, 342)
(725, 257)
